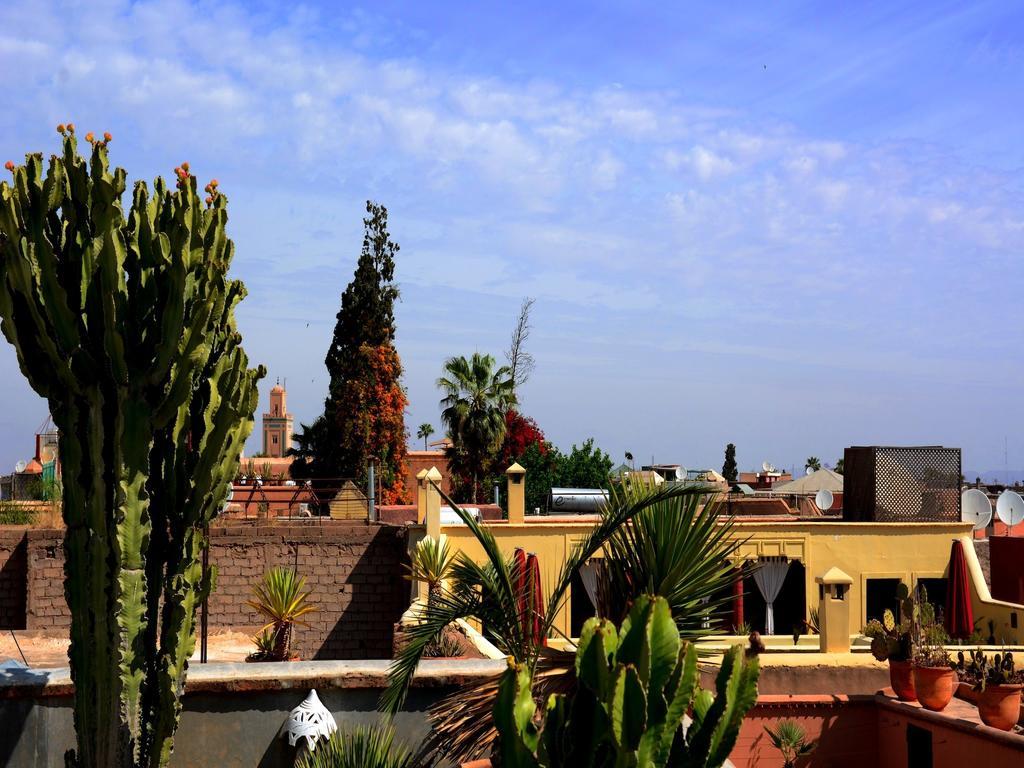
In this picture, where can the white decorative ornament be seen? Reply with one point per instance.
(312, 720)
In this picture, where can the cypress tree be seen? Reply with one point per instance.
(365, 407)
(729, 470)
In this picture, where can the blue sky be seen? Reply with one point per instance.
(791, 226)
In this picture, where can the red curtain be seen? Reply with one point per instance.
(959, 614)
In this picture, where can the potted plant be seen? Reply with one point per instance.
(997, 684)
(934, 676)
(789, 738)
(892, 641)
(280, 599)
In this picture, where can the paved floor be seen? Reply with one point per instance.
(43, 652)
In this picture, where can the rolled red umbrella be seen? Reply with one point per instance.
(519, 581)
(537, 600)
(959, 614)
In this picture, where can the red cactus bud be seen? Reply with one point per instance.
(185, 166)
(9, 165)
(89, 137)
(209, 201)
(213, 183)
(107, 137)
(60, 128)
(71, 127)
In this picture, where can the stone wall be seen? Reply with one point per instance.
(353, 572)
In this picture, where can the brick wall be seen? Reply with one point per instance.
(353, 572)
(12, 579)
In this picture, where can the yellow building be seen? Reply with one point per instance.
(876, 556)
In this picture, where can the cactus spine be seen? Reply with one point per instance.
(635, 686)
(126, 326)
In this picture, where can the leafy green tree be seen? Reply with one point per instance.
(365, 407)
(585, 466)
(729, 469)
(812, 463)
(424, 432)
(542, 462)
(124, 321)
(476, 397)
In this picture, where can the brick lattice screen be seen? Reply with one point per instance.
(909, 485)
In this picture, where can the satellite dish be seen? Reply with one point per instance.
(767, 466)
(20, 467)
(975, 508)
(1010, 508)
(809, 471)
(824, 499)
(682, 472)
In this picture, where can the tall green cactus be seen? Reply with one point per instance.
(635, 687)
(126, 326)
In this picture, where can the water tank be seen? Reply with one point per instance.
(576, 500)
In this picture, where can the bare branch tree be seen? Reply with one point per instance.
(519, 360)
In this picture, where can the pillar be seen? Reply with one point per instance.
(433, 503)
(834, 611)
(737, 600)
(421, 496)
(516, 494)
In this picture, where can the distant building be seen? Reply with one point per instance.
(277, 424)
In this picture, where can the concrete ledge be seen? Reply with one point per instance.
(270, 676)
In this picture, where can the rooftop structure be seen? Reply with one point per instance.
(277, 424)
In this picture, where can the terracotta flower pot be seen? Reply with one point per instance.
(934, 686)
(999, 706)
(485, 763)
(901, 678)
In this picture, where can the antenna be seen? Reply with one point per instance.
(1010, 508)
(975, 508)
(824, 499)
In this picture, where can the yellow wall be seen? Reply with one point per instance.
(907, 551)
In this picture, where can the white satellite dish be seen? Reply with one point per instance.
(20, 467)
(1010, 508)
(809, 471)
(975, 508)
(824, 499)
(767, 466)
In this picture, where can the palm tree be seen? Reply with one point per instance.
(461, 726)
(280, 599)
(476, 398)
(812, 463)
(425, 431)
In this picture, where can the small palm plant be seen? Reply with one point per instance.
(361, 747)
(789, 738)
(280, 599)
(431, 564)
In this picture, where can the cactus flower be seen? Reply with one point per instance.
(89, 137)
(9, 166)
(107, 136)
(60, 128)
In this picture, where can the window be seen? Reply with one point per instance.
(879, 595)
(936, 593)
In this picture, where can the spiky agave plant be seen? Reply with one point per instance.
(461, 725)
(280, 599)
(431, 563)
(124, 322)
(371, 746)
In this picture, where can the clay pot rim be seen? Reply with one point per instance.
(1003, 687)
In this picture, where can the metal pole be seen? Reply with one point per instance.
(204, 618)
(370, 503)
(497, 496)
